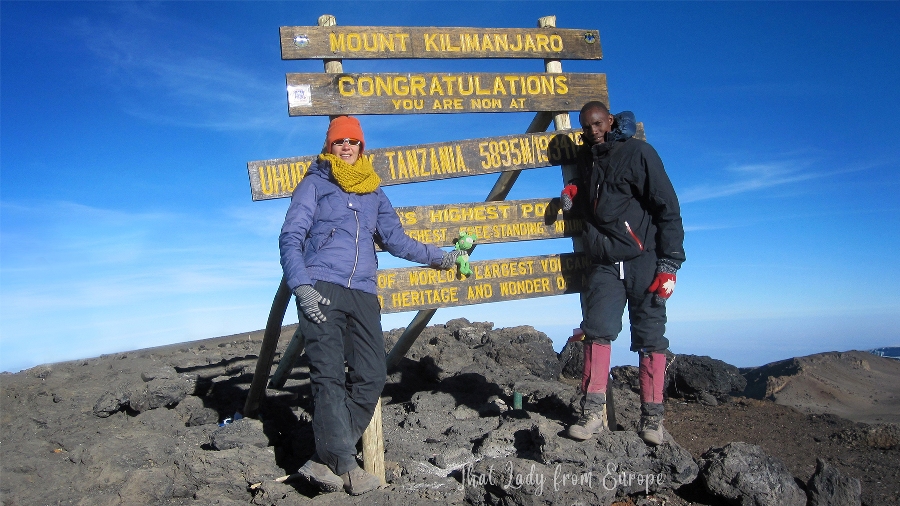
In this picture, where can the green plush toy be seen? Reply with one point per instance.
(465, 242)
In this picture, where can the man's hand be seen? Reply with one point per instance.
(309, 300)
(664, 283)
(567, 196)
(449, 259)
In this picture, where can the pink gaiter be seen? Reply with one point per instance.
(596, 367)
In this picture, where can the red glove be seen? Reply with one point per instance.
(663, 285)
(566, 197)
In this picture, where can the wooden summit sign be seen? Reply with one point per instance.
(277, 178)
(492, 222)
(358, 42)
(316, 94)
(551, 94)
(416, 288)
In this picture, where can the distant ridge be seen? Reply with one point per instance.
(887, 352)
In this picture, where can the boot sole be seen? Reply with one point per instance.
(576, 432)
(362, 489)
(327, 484)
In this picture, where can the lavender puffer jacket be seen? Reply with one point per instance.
(328, 234)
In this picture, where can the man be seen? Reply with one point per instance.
(634, 236)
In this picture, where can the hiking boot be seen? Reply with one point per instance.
(321, 475)
(651, 429)
(358, 481)
(588, 425)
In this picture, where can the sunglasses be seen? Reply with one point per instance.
(352, 142)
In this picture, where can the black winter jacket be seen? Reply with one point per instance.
(631, 205)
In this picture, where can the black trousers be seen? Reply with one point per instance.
(610, 288)
(344, 402)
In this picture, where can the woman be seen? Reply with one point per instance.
(329, 262)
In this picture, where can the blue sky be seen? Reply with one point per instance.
(125, 128)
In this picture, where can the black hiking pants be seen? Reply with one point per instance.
(344, 401)
(610, 288)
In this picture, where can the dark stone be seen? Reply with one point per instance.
(571, 359)
(160, 392)
(829, 487)
(689, 376)
(627, 376)
(239, 434)
(524, 347)
(109, 403)
(743, 474)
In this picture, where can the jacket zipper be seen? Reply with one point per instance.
(355, 260)
(635, 237)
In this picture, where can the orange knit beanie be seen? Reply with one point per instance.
(344, 127)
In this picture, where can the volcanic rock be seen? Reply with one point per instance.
(829, 487)
(743, 474)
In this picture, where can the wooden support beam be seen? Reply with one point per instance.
(288, 359)
(267, 350)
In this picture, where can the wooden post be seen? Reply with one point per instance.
(562, 121)
(373, 445)
(373, 438)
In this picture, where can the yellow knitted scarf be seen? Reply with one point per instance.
(357, 178)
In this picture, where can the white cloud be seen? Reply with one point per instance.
(75, 277)
(750, 177)
(166, 71)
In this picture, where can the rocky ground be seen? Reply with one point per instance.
(144, 427)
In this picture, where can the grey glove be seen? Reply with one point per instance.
(664, 282)
(566, 197)
(309, 300)
(449, 259)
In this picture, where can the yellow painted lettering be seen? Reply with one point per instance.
(498, 86)
(264, 176)
(353, 42)
(429, 42)
(416, 83)
(518, 46)
(468, 79)
(401, 86)
(562, 86)
(336, 41)
(384, 85)
(365, 86)
(345, 86)
(556, 43)
(436, 87)
(449, 80)
(512, 80)
(486, 44)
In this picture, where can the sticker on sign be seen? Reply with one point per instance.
(299, 95)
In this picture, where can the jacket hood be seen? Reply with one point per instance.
(624, 127)
(320, 168)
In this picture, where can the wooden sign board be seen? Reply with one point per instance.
(317, 94)
(492, 222)
(277, 178)
(362, 42)
(416, 288)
